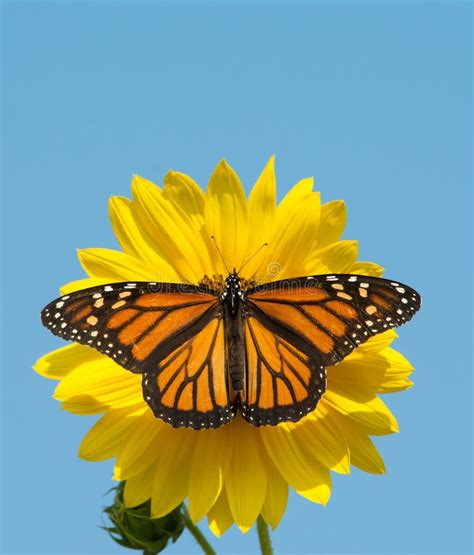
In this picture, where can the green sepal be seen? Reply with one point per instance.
(133, 528)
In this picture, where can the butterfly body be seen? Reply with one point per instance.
(233, 302)
(206, 353)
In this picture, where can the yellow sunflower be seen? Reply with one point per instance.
(237, 472)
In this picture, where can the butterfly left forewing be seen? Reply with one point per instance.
(135, 324)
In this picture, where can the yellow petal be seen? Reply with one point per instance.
(209, 462)
(369, 411)
(80, 284)
(244, 529)
(364, 455)
(367, 269)
(277, 496)
(333, 222)
(219, 517)
(187, 197)
(322, 439)
(105, 439)
(226, 215)
(125, 228)
(246, 478)
(374, 345)
(59, 363)
(337, 258)
(138, 488)
(98, 386)
(294, 195)
(293, 241)
(397, 375)
(172, 464)
(384, 372)
(115, 265)
(135, 241)
(262, 214)
(186, 194)
(168, 225)
(139, 451)
(297, 466)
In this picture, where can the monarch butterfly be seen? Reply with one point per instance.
(207, 352)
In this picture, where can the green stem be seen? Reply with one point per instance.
(264, 537)
(198, 535)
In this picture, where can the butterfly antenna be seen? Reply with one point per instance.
(252, 256)
(220, 253)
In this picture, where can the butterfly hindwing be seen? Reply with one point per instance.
(136, 324)
(282, 382)
(328, 316)
(190, 388)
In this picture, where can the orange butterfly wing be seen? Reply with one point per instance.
(136, 324)
(171, 333)
(297, 327)
(190, 387)
(282, 382)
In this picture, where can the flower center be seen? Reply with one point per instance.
(217, 282)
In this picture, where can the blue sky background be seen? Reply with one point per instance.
(373, 99)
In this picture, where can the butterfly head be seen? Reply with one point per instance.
(232, 293)
(232, 281)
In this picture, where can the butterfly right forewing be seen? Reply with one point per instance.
(330, 315)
